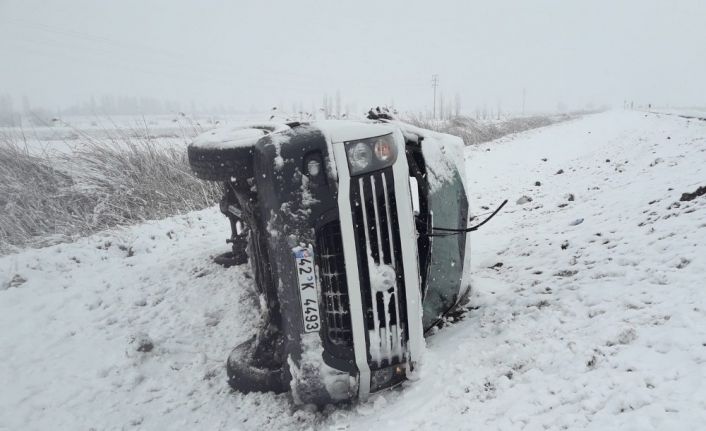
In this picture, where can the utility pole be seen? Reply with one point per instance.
(434, 84)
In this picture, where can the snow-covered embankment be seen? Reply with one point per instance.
(588, 310)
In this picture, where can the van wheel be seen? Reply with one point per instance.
(222, 156)
(221, 164)
(252, 368)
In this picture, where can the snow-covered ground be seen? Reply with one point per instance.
(588, 310)
(69, 133)
(695, 113)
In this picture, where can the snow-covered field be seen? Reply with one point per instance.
(69, 133)
(695, 113)
(588, 310)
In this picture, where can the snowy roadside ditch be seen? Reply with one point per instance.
(592, 325)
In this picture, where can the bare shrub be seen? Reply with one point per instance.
(102, 183)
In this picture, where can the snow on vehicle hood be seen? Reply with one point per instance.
(443, 154)
(347, 130)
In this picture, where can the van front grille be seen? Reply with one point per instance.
(334, 288)
(380, 266)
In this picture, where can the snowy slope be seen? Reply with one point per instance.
(597, 324)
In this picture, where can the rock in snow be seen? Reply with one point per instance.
(16, 281)
(523, 200)
(142, 342)
(691, 196)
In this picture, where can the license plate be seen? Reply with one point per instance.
(308, 293)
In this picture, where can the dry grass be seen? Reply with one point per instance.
(476, 132)
(125, 176)
(102, 183)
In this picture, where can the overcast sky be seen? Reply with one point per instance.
(264, 53)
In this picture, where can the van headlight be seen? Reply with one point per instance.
(371, 154)
(360, 156)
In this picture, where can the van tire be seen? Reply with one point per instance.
(213, 160)
(248, 372)
(221, 164)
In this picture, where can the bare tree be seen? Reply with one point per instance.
(325, 107)
(434, 85)
(338, 104)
